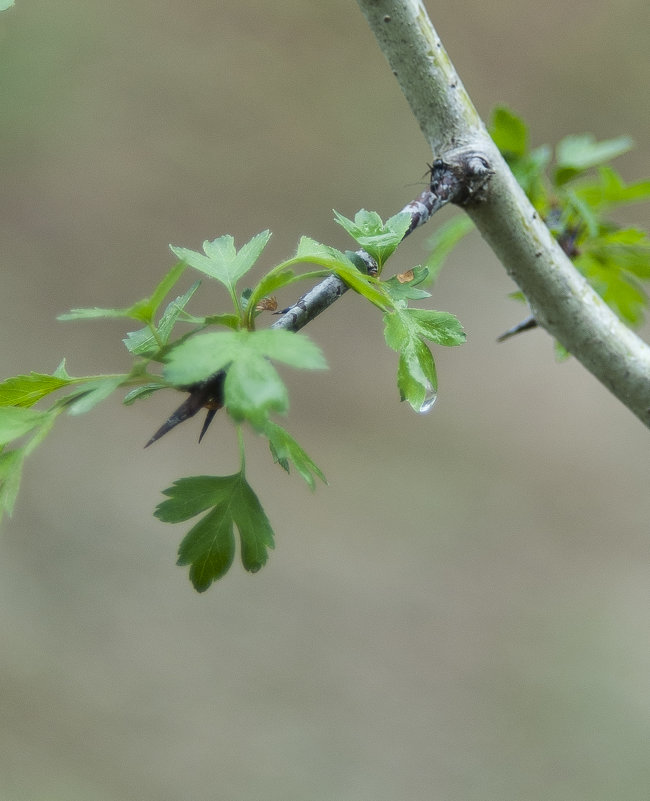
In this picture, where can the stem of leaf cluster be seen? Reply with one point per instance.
(242, 449)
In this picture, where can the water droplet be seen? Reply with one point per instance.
(430, 398)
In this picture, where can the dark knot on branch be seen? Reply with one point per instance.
(461, 178)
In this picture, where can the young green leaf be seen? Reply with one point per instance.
(143, 310)
(203, 355)
(403, 286)
(610, 191)
(269, 284)
(16, 421)
(222, 261)
(618, 290)
(377, 238)
(340, 264)
(416, 376)
(285, 449)
(26, 390)
(145, 391)
(577, 153)
(144, 342)
(509, 132)
(92, 392)
(444, 240)
(404, 331)
(209, 546)
(442, 328)
(253, 389)
(11, 465)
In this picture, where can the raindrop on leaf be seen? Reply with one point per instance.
(430, 398)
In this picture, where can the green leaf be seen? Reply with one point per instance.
(11, 465)
(164, 287)
(404, 332)
(16, 421)
(509, 132)
(135, 312)
(26, 390)
(309, 250)
(610, 191)
(442, 328)
(270, 283)
(190, 496)
(444, 240)
(253, 389)
(619, 291)
(222, 261)
(144, 342)
(143, 310)
(376, 238)
(294, 349)
(254, 528)
(577, 153)
(209, 549)
(209, 546)
(5, 4)
(285, 449)
(403, 287)
(139, 393)
(340, 264)
(530, 172)
(416, 376)
(203, 355)
(627, 249)
(92, 392)
(583, 211)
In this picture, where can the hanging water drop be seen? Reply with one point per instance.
(430, 397)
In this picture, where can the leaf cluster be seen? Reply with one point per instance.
(228, 344)
(174, 348)
(576, 191)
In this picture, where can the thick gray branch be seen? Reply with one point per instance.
(560, 298)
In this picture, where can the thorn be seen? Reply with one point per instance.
(186, 410)
(206, 423)
(524, 325)
(206, 394)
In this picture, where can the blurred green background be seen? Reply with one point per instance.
(463, 613)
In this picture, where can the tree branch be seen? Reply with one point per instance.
(450, 183)
(560, 298)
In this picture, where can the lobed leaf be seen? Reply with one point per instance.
(209, 546)
(221, 260)
(203, 355)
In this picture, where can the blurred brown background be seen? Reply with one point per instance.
(463, 613)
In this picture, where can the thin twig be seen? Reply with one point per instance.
(457, 182)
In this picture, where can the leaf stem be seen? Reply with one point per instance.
(242, 449)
